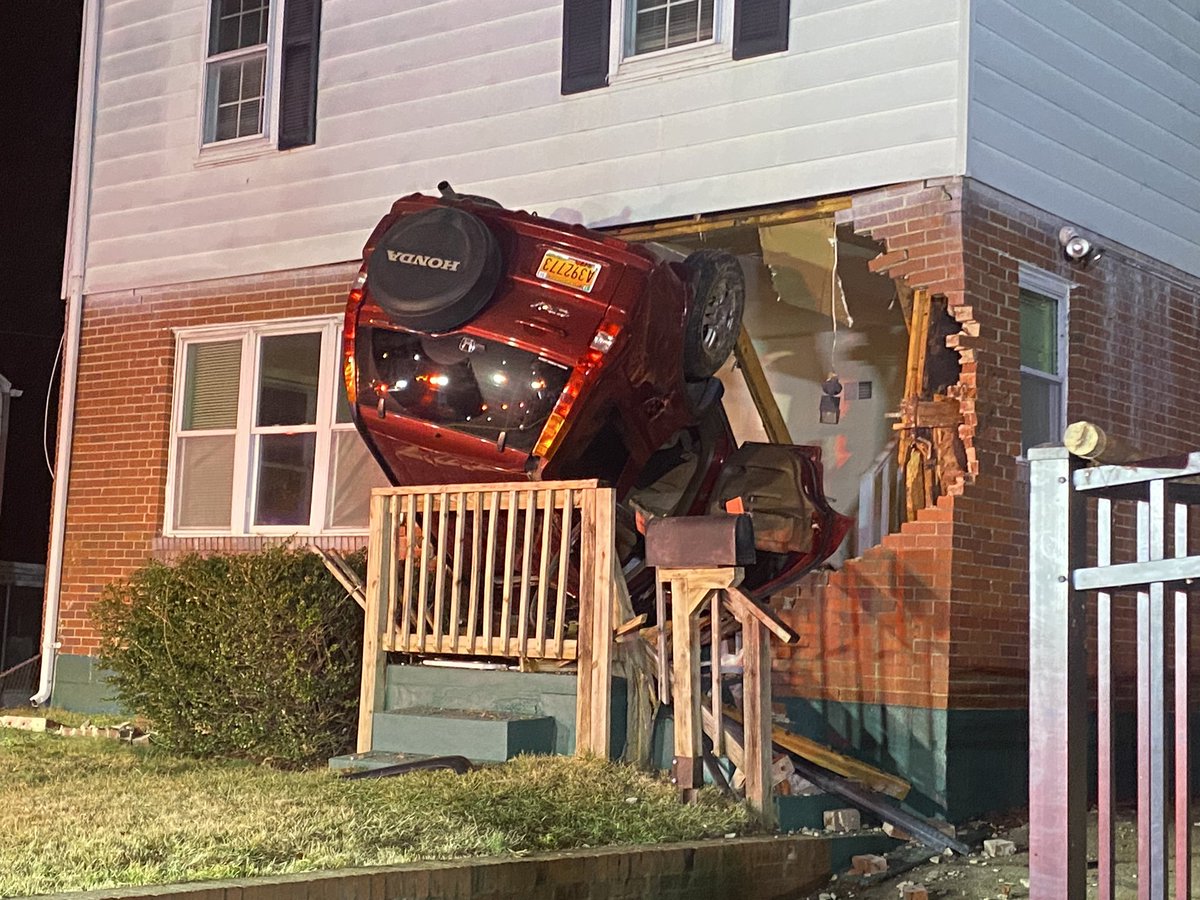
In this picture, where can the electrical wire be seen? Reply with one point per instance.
(46, 409)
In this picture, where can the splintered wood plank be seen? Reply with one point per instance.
(531, 505)
(335, 563)
(564, 568)
(439, 566)
(510, 542)
(760, 391)
(381, 535)
(847, 767)
(918, 333)
(548, 512)
(489, 569)
(456, 576)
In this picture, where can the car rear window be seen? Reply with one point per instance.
(477, 387)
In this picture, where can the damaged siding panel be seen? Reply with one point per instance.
(469, 90)
(1096, 117)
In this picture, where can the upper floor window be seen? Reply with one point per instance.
(237, 69)
(1043, 303)
(260, 72)
(263, 439)
(649, 31)
(653, 25)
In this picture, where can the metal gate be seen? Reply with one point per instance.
(1067, 573)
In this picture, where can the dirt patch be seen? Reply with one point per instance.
(979, 877)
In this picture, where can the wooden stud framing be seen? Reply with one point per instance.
(760, 392)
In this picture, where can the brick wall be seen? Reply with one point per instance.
(122, 423)
(878, 630)
(937, 615)
(1134, 335)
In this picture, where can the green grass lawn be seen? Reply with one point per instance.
(81, 813)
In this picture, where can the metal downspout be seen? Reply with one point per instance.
(72, 290)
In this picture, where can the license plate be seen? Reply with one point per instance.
(568, 271)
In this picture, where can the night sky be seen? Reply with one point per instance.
(40, 73)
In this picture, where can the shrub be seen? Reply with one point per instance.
(251, 655)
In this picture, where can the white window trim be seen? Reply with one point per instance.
(1057, 288)
(245, 472)
(217, 152)
(685, 58)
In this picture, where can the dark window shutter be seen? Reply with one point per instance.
(585, 44)
(759, 27)
(298, 87)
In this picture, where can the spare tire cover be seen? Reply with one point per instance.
(435, 269)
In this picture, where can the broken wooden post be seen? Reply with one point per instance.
(1090, 441)
(689, 589)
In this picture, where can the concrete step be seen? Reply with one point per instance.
(479, 735)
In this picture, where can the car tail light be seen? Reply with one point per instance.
(593, 361)
(350, 374)
(350, 326)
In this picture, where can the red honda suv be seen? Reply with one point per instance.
(483, 344)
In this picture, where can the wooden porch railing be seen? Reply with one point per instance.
(529, 571)
(511, 571)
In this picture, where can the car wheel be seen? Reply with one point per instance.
(714, 318)
(434, 270)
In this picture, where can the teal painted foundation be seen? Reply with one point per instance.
(961, 763)
(81, 685)
(531, 694)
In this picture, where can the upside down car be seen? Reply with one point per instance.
(485, 345)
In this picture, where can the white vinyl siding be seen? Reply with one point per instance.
(868, 93)
(1092, 112)
(262, 438)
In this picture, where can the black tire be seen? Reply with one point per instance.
(435, 269)
(714, 317)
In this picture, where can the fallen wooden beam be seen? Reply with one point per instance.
(854, 769)
(346, 576)
(920, 828)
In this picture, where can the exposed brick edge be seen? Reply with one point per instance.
(920, 226)
(901, 587)
(736, 868)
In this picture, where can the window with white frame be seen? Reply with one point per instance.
(609, 41)
(260, 72)
(653, 25)
(1043, 302)
(235, 93)
(263, 440)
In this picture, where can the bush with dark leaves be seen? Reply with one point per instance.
(252, 655)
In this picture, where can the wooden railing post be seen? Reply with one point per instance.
(593, 707)
(756, 700)
(380, 548)
(689, 589)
